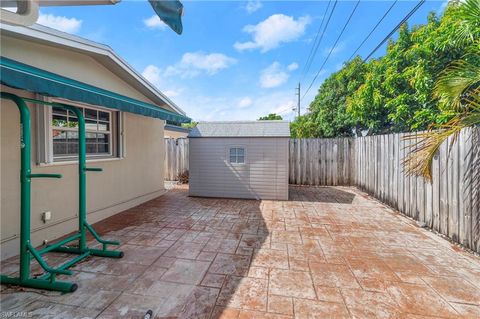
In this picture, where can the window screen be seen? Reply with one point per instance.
(98, 125)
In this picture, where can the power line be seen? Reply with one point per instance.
(315, 45)
(396, 28)
(421, 2)
(333, 47)
(373, 30)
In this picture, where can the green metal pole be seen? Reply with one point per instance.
(41, 284)
(25, 186)
(82, 168)
(26, 249)
(83, 225)
(82, 185)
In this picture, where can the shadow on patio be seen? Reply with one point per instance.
(321, 194)
(328, 252)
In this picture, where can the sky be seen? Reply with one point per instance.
(236, 60)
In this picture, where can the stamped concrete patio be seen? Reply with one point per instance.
(326, 253)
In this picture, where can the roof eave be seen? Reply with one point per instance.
(46, 34)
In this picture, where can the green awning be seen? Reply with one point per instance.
(22, 76)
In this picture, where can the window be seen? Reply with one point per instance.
(98, 126)
(57, 136)
(237, 155)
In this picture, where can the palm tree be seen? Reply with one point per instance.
(458, 90)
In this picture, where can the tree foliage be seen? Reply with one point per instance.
(396, 92)
(271, 116)
(192, 124)
(458, 91)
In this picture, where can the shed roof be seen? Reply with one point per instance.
(176, 128)
(241, 129)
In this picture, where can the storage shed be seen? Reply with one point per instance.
(246, 159)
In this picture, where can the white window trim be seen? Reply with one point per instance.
(245, 158)
(45, 137)
(64, 163)
(110, 133)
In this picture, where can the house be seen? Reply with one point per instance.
(239, 159)
(175, 131)
(125, 119)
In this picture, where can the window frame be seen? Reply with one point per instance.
(236, 148)
(46, 128)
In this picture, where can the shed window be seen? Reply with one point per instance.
(237, 155)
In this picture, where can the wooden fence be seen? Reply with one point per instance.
(449, 205)
(176, 157)
(321, 161)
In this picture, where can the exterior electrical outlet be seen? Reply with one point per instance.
(46, 216)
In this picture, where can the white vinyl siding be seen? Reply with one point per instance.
(264, 175)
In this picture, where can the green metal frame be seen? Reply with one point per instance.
(27, 251)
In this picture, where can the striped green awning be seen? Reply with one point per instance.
(22, 76)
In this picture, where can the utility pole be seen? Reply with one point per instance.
(298, 101)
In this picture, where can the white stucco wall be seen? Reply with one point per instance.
(124, 183)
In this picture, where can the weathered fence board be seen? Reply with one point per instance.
(176, 157)
(449, 205)
(443, 189)
(320, 161)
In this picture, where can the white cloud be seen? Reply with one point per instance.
(253, 5)
(221, 108)
(154, 22)
(69, 25)
(245, 102)
(292, 66)
(273, 31)
(335, 50)
(153, 74)
(194, 63)
(173, 93)
(284, 107)
(279, 102)
(275, 75)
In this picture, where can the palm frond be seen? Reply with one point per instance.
(421, 152)
(471, 11)
(425, 145)
(455, 82)
(467, 30)
(457, 88)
